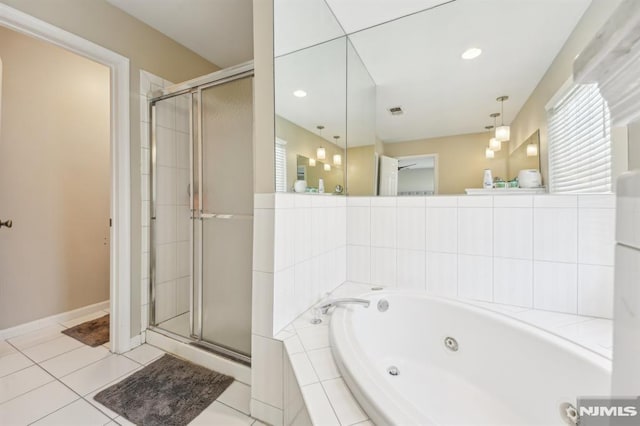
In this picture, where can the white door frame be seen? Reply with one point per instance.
(120, 210)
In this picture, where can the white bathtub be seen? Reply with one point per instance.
(504, 372)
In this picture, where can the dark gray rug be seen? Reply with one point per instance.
(169, 391)
(93, 333)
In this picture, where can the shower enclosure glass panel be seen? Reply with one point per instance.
(227, 203)
(171, 218)
(202, 214)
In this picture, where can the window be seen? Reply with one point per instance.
(281, 165)
(580, 141)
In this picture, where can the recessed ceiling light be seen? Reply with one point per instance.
(471, 53)
(300, 93)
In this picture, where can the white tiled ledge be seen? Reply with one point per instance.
(327, 397)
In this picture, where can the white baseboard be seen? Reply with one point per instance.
(135, 341)
(17, 330)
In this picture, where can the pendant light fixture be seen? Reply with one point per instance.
(503, 133)
(321, 153)
(494, 143)
(488, 153)
(337, 158)
(327, 167)
(532, 150)
(312, 162)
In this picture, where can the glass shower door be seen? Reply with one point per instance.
(226, 211)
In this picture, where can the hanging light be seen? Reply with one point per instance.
(503, 133)
(494, 143)
(321, 153)
(327, 167)
(532, 150)
(312, 162)
(488, 153)
(337, 158)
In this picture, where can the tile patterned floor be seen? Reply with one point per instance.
(47, 378)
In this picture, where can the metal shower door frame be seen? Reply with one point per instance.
(194, 88)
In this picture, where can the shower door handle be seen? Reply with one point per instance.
(6, 223)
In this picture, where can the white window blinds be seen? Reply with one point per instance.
(281, 166)
(580, 142)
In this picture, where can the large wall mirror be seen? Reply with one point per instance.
(394, 100)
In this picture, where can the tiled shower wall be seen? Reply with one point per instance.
(550, 252)
(173, 248)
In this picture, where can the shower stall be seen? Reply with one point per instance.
(202, 211)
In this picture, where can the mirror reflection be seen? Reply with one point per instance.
(423, 103)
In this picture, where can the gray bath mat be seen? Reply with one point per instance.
(168, 391)
(93, 333)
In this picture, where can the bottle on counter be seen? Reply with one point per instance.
(487, 181)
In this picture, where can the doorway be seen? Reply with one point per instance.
(119, 164)
(418, 175)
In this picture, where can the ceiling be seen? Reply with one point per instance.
(415, 62)
(220, 31)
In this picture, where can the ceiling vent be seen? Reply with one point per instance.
(396, 110)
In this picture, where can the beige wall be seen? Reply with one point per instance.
(533, 116)
(146, 48)
(361, 166)
(461, 159)
(54, 166)
(634, 146)
(302, 142)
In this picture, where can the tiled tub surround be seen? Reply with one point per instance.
(543, 252)
(325, 394)
(550, 252)
(299, 256)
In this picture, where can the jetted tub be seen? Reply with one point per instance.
(504, 372)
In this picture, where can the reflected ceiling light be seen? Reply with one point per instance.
(471, 53)
(494, 143)
(312, 162)
(532, 150)
(327, 167)
(503, 133)
(299, 93)
(488, 153)
(321, 153)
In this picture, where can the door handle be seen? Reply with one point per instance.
(7, 223)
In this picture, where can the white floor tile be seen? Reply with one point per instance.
(99, 373)
(36, 337)
(237, 396)
(6, 348)
(13, 362)
(102, 408)
(79, 413)
(22, 381)
(73, 360)
(123, 422)
(36, 404)
(220, 414)
(144, 354)
(343, 403)
(52, 348)
(84, 318)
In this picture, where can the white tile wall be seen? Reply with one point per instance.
(520, 250)
(173, 227)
